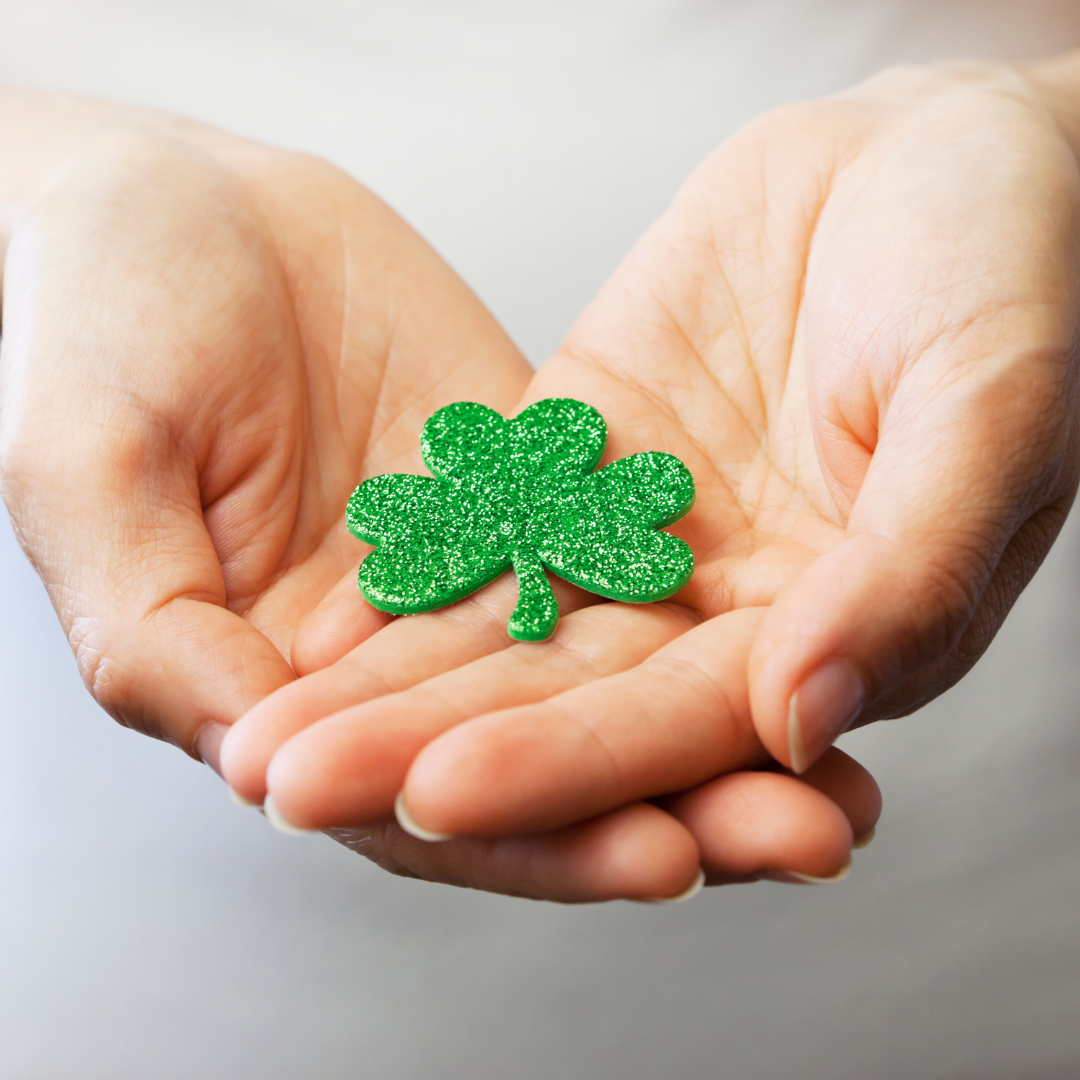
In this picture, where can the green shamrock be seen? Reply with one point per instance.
(522, 493)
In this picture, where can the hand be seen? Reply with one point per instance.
(670, 332)
(206, 344)
(856, 325)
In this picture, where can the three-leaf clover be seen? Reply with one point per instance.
(522, 493)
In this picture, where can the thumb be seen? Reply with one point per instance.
(112, 522)
(969, 482)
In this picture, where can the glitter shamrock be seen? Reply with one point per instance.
(522, 493)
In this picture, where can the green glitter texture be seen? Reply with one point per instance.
(522, 493)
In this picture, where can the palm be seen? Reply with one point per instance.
(692, 349)
(380, 330)
(809, 311)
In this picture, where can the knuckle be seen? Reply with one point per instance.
(19, 461)
(374, 843)
(119, 160)
(950, 586)
(107, 678)
(944, 588)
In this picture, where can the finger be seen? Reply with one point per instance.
(349, 767)
(101, 450)
(157, 648)
(851, 787)
(638, 852)
(1014, 570)
(406, 652)
(754, 824)
(676, 719)
(750, 825)
(746, 825)
(341, 621)
(960, 465)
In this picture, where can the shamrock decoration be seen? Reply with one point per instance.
(522, 493)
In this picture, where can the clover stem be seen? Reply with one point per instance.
(537, 610)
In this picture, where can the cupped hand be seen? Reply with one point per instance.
(856, 324)
(206, 345)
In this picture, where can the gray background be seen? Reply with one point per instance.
(149, 928)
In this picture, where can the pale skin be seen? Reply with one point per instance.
(855, 325)
(871, 373)
(872, 376)
(206, 344)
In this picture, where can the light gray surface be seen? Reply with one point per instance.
(149, 928)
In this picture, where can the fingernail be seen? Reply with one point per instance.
(408, 823)
(864, 840)
(282, 824)
(822, 709)
(695, 888)
(208, 744)
(241, 801)
(793, 877)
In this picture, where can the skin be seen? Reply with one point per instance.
(206, 345)
(857, 325)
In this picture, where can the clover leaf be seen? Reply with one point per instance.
(522, 493)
